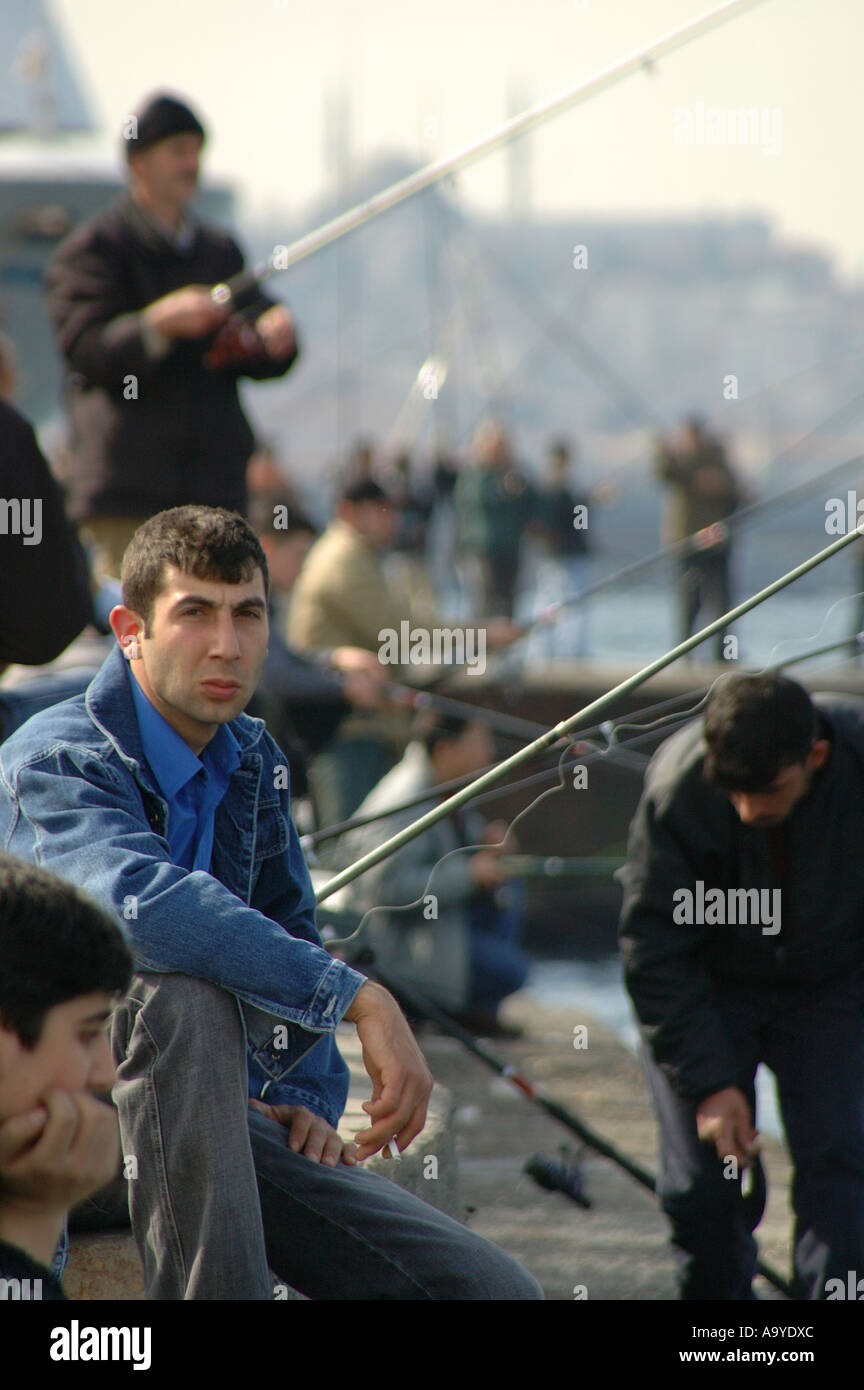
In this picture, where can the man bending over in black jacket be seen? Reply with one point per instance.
(742, 935)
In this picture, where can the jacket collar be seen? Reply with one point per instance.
(146, 230)
(111, 707)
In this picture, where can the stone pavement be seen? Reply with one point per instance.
(618, 1249)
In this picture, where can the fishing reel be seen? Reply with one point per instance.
(562, 1174)
(237, 343)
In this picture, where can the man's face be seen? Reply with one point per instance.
(472, 750)
(72, 1054)
(202, 656)
(169, 169)
(776, 802)
(376, 521)
(285, 558)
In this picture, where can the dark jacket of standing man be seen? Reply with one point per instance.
(39, 555)
(154, 423)
(742, 942)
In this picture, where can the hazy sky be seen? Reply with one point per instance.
(430, 78)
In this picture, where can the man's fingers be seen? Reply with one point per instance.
(403, 1126)
(413, 1127)
(20, 1132)
(316, 1143)
(64, 1118)
(387, 1101)
(331, 1148)
(298, 1134)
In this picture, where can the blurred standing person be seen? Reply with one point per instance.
(343, 598)
(442, 531)
(267, 474)
(563, 524)
(152, 362)
(702, 491)
(494, 504)
(408, 565)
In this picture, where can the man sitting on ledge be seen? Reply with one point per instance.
(155, 791)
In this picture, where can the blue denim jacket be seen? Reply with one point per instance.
(77, 796)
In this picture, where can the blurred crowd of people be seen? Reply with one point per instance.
(152, 360)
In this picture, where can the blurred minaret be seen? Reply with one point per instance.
(40, 93)
(519, 158)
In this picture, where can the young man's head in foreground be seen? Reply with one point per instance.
(764, 745)
(193, 622)
(62, 962)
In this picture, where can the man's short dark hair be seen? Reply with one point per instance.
(754, 726)
(432, 729)
(365, 490)
(55, 945)
(207, 542)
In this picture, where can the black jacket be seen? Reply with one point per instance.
(685, 831)
(183, 437)
(23, 1278)
(44, 588)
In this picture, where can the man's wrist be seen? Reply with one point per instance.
(369, 997)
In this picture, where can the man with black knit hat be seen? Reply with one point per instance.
(152, 362)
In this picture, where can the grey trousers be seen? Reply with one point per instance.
(220, 1200)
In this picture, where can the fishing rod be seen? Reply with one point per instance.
(579, 741)
(856, 639)
(559, 866)
(582, 755)
(707, 539)
(668, 726)
(559, 329)
(555, 734)
(536, 1093)
(510, 726)
(710, 536)
(241, 288)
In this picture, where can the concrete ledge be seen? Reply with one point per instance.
(105, 1265)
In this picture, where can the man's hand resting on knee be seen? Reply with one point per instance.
(724, 1120)
(401, 1080)
(309, 1134)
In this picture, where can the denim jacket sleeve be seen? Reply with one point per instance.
(70, 809)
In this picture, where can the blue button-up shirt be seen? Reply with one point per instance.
(193, 787)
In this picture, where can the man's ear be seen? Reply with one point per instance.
(128, 628)
(818, 755)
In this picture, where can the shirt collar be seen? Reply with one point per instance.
(171, 760)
